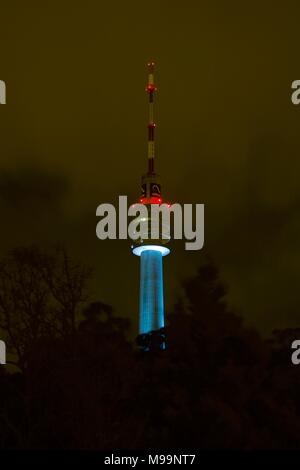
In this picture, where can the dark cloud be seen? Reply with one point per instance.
(31, 204)
(31, 190)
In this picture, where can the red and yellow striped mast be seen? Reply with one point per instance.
(151, 88)
(150, 181)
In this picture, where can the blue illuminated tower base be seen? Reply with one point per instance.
(151, 292)
(151, 318)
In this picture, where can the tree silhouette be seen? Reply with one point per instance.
(84, 384)
(40, 296)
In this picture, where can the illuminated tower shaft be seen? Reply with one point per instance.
(151, 292)
(151, 251)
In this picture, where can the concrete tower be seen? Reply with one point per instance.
(151, 251)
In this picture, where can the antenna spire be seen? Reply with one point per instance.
(151, 88)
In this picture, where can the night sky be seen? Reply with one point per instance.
(74, 135)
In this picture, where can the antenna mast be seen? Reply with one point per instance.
(151, 88)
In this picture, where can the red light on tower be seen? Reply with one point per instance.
(150, 88)
(151, 200)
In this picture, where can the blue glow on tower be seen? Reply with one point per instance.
(151, 252)
(151, 287)
(151, 292)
